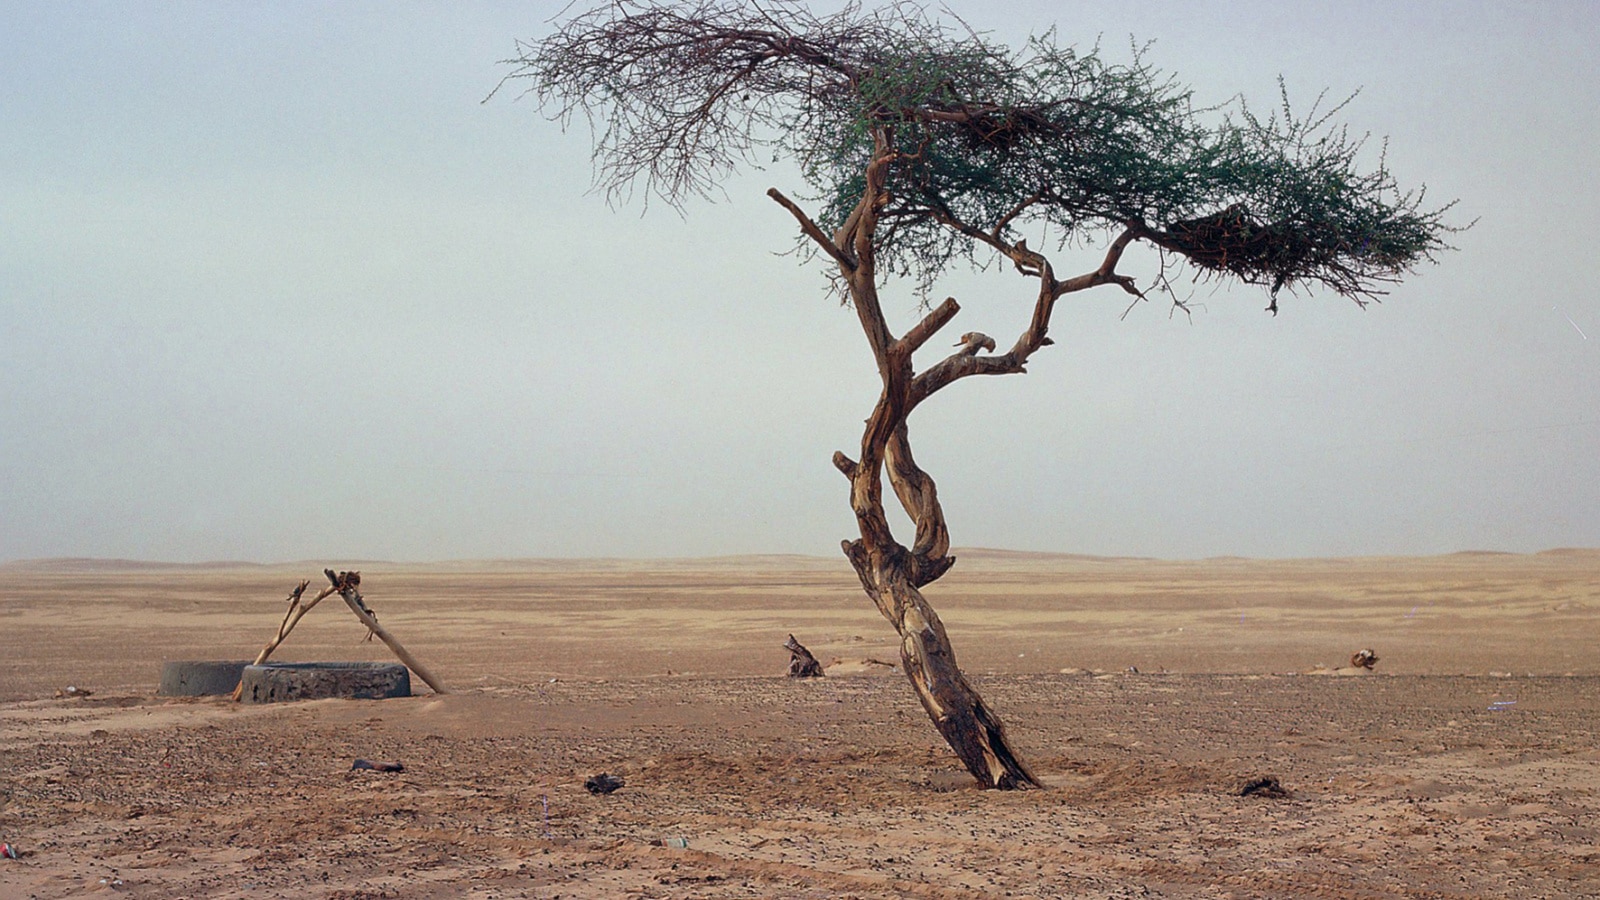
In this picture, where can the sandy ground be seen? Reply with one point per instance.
(1467, 765)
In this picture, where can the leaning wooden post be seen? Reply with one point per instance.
(347, 583)
(291, 618)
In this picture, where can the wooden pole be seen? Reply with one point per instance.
(346, 583)
(291, 618)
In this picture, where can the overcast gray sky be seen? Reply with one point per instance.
(275, 285)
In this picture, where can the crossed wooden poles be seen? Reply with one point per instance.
(346, 585)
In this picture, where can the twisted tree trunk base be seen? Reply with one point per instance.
(966, 723)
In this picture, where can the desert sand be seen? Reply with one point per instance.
(1145, 693)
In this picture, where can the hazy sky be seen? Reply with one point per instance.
(274, 284)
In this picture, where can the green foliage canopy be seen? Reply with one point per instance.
(986, 141)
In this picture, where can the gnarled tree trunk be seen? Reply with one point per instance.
(892, 576)
(967, 724)
(891, 573)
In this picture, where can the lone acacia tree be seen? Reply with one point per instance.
(926, 144)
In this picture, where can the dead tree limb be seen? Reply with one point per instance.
(801, 663)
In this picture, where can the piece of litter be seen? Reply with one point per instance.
(1501, 705)
(377, 766)
(1265, 786)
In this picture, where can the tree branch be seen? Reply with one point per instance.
(1107, 273)
(1009, 217)
(964, 363)
(920, 498)
(927, 328)
(812, 231)
(862, 278)
(845, 464)
(872, 200)
(348, 584)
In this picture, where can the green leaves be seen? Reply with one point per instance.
(987, 143)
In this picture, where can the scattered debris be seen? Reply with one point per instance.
(677, 843)
(1501, 705)
(377, 766)
(73, 691)
(1264, 786)
(603, 783)
(1363, 659)
(9, 852)
(801, 663)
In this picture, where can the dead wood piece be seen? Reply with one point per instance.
(801, 663)
(346, 585)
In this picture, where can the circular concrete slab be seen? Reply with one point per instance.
(280, 682)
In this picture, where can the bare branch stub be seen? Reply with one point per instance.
(925, 144)
(343, 581)
(801, 663)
